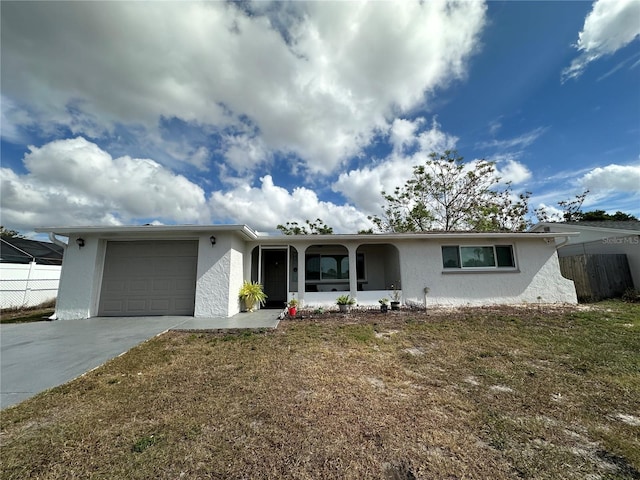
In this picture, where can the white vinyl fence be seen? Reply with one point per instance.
(27, 285)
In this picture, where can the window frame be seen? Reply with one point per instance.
(339, 257)
(494, 268)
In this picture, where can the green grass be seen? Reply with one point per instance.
(474, 393)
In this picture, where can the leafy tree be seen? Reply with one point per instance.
(448, 194)
(504, 211)
(622, 217)
(317, 227)
(570, 209)
(571, 212)
(601, 215)
(594, 215)
(7, 233)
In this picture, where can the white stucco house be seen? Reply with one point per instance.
(600, 237)
(198, 269)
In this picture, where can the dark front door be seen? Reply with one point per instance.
(274, 277)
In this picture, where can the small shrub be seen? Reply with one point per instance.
(631, 295)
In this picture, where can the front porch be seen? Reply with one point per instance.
(316, 274)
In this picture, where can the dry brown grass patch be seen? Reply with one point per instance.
(479, 393)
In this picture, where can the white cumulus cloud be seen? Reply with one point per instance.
(316, 80)
(268, 205)
(362, 186)
(511, 170)
(621, 178)
(75, 182)
(610, 26)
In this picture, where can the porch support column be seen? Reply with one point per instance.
(302, 254)
(353, 270)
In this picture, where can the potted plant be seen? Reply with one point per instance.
(384, 305)
(345, 302)
(395, 297)
(292, 306)
(251, 294)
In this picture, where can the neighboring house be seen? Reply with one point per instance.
(29, 272)
(601, 237)
(198, 270)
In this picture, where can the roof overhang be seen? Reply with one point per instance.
(149, 231)
(395, 237)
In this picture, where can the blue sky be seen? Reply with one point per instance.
(261, 113)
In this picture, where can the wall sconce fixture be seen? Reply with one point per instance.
(80, 242)
(212, 239)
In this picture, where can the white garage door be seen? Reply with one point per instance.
(149, 278)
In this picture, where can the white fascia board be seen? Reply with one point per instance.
(149, 230)
(388, 237)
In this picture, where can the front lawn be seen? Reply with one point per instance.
(480, 393)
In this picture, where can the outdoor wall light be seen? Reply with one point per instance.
(80, 242)
(212, 239)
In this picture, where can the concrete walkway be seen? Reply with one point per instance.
(41, 355)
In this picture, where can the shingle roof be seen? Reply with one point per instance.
(620, 225)
(22, 250)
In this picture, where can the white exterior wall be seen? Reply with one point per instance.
(222, 268)
(80, 279)
(535, 279)
(537, 275)
(28, 285)
(236, 274)
(220, 275)
(218, 278)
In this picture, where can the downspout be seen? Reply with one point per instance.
(562, 244)
(57, 241)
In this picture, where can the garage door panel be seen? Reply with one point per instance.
(176, 266)
(183, 305)
(138, 286)
(113, 306)
(162, 285)
(149, 278)
(165, 249)
(136, 305)
(159, 305)
(114, 286)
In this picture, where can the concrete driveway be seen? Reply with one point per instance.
(37, 356)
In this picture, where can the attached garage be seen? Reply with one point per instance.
(146, 278)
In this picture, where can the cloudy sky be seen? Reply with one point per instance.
(261, 113)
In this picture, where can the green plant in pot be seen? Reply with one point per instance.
(292, 306)
(251, 294)
(396, 294)
(384, 304)
(345, 302)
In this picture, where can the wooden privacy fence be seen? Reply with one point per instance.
(597, 276)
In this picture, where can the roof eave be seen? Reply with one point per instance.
(244, 230)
